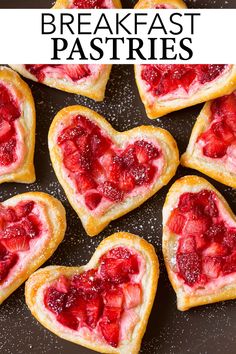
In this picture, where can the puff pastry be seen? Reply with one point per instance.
(212, 145)
(81, 79)
(17, 129)
(31, 227)
(104, 305)
(199, 243)
(105, 173)
(160, 4)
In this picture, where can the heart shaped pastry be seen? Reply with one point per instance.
(212, 145)
(104, 173)
(17, 129)
(167, 88)
(31, 227)
(104, 305)
(160, 4)
(86, 80)
(199, 243)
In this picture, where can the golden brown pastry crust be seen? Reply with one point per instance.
(63, 4)
(93, 225)
(56, 219)
(187, 300)
(149, 4)
(50, 274)
(194, 159)
(24, 173)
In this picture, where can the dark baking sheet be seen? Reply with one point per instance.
(204, 330)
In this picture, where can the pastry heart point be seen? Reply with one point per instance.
(206, 241)
(10, 144)
(219, 140)
(100, 303)
(102, 172)
(178, 81)
(21, 227)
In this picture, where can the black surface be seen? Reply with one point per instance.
(204, 330)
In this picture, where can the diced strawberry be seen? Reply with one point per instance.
(142, 174)
(92, 200)
(210, 72)
(132, 295)
(70, 133)
(13, 231)
(23, 209)
(77, 72)
(117, 252)
(195, 227)
(111, 191)
(187, 79)
(230, 238)
(129, 157)
(111, 314)
(7, 155)
(85, 182)
(94, 310)
(113, 298)
(6, 130)
(151, 74)
(69, 147)
(55, 300)
(99, 144)
(211, 266)
(216, 249)
(110, 332)
(126, 182)
(230, 264)
(200, 242)
(114, 270)
(7, 261)
(86, 123)
(222, 131)
(145, 151)
(78, 162)
(7, 214)
(176, 222)
(216, 232)
(68, 320)
(32, 226)
(115, 169)
(189, 265)
(215, 149)
(17, 244)
(187, 244)
(186, 202)
(87, 283)
(63, 284)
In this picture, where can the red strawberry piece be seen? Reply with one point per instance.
(37, 70)
(201, 242)
(111, 191)
(85, 182)
(189, 265)
(32, 226)
(6, 130)
(17, 244)
(187, 79)
(152, 75)
(142, 174)
(9, 112)
(216, 249)
(176, 222)
(94, 308)
(210, 72)
(216, 232)
(115, 270)
(129, 157)
(230, 264)
(186, 202)
(116, 168)
(230, 238)
(88, 4)
(222, 131)
(111, 314)
(23, 209)
(15, 230)
(118, 252)
(78, 162)
(68, 320)
(215, 149)
(187, 244)
(113, 298)
(70, 133)
(7, 261)
(7, 149)
(63, 284)
(55, 300)
(132, 295)
(78, 309)
(87, 283)
(92, 200)
(110, 332)
(126, 182)
(77, 72)
(211, 266)
(145, 151)
(85, 123)
(69, 147)
(198, 226)
(7, 214)
(99, 144)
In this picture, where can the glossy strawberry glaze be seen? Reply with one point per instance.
(21, 226)
(11, 151)
(206, 246)
(218, 142)
(178, 80)
(102, 173)
(100, 302)
(92, 4)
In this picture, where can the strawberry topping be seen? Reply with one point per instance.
(100, 170)
(220, 138)
(98, 298)
(165, 79)
(18, 226)
(88, 4)
(72, 71)
(9, 113)
(206, 243)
